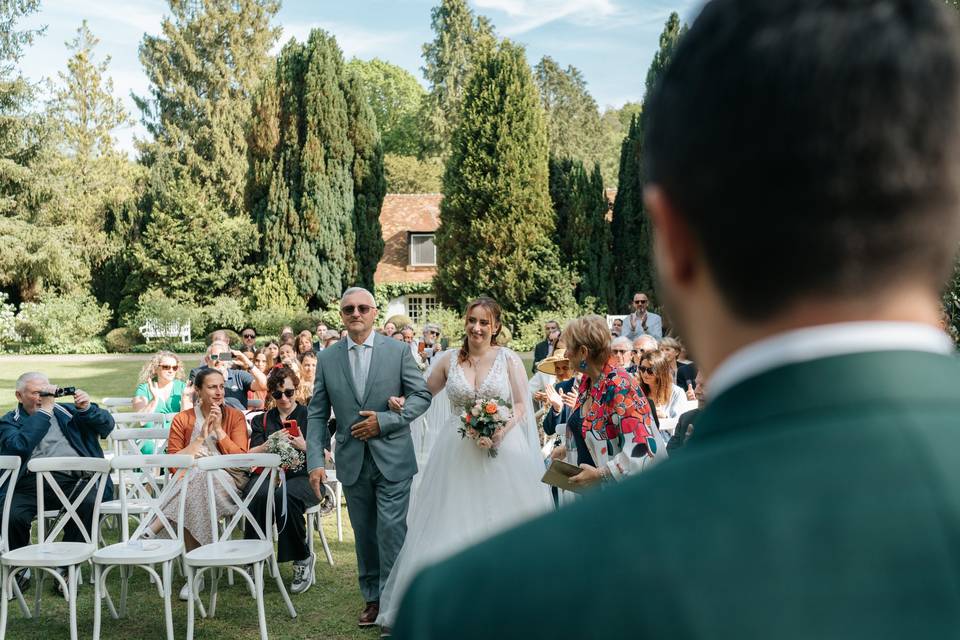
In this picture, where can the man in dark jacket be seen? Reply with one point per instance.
(41, 428)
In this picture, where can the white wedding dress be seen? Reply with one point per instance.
(463, 495)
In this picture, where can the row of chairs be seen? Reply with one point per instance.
(141, 548)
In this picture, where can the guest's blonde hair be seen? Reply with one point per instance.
(590, 332)
(150, 368)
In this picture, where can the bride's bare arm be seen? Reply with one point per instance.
(519, 389)
(437, 379)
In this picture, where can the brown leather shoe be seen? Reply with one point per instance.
(369, 616)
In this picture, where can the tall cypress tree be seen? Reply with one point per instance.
(316, 181)
(496, 222)
(583, 232)
(369, 181)
(633, 266)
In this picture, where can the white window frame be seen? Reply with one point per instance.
(424, 303)
(433, 238)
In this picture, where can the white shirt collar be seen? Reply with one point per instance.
(812, 343)
(367, 343)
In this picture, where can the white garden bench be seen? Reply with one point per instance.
(171, 330)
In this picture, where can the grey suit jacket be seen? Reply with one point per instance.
(393, 372)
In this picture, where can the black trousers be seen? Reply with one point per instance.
(293, 529)
(23, 507)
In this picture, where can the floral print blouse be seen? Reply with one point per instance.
(618, 427)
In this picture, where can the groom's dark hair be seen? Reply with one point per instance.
(813, 146)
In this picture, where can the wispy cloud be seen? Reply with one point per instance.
(354, 40)
(527, 15)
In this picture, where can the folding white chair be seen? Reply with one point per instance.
(9, 474)
(112, 404)
(142, 549)
(314, 523)
(230, 554)
(48, 554)
(145, 485)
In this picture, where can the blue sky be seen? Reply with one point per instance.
(610, 41)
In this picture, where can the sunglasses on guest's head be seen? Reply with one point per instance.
(167, 367)
(283, 392)
(646, 370)
(364, 309)
(249, 335)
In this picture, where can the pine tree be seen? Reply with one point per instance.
(448, 62)
(630, 225)
(316, 171)
(573, 120)
(496, 222)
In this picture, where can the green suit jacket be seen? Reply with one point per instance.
(817, 500)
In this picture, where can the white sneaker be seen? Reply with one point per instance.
(185, 590)
(302, 575)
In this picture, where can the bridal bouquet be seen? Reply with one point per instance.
(482, 420)
(291, 458)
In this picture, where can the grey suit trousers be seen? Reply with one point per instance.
(378, 513)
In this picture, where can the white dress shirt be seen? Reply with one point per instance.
(813, 343)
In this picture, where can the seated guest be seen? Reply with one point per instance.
(686, 373)
(161, 390)
(671, 348)
(551, 333)
(618, 424)
(282, 386)
(248, 335)
(408, 333)
(287, 354)
(210, 428)
(430, 342)
(330, 337)
(220, 335)
(656, 380)
(622, 350)
(616, 328)
(397, 336)
(304, 342)
(307, 375)
(272, 349)
(237, 383)
(684, 429)
(543, 377)
(389, 329)
(643, 344)
(319, 346)
(257, 399)
(42, 428)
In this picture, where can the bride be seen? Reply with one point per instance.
(465, 495)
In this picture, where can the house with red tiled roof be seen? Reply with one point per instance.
(409, 222)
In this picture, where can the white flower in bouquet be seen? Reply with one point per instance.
(291, 459)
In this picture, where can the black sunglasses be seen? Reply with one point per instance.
(640, 301)
(622, 351)
(646, 370)
(249, 335)
(364, 309)
(284, 392)
(222, 357)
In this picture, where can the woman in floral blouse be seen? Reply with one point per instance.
(618, 425)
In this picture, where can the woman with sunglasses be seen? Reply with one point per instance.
(618, 423)
(282, 384)
(656, 380)
(161, 389)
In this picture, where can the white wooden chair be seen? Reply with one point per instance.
(314, 523)
(9, 474)
(146, 485)
(142, 549)
(234, 555)
(111, 404)
(48, 554)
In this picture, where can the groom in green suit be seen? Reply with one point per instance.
(802, 160)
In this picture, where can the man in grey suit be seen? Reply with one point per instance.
(375, 458)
